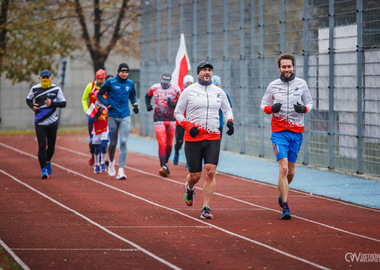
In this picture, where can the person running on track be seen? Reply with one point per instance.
(119, 90)
(179, 131)
(88, 98)
(44, 99)
(216, 80)
(202, 101)
(100, 137)
(165, 99)
(287, 99)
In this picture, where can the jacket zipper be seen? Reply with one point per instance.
(287, 111)
(206, 111)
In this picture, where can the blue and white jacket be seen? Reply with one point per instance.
(118, 91)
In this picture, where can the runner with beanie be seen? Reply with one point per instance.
(201, 101)
(120, 91)
(165, 99)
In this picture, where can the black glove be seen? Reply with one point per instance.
(135, 109)
(149, 108)
(299, 108)
(98, 113)
(194, 132)
(231, 128)
(110, 107)
(171, 103)
(276, 107)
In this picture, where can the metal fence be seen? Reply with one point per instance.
(337, 49)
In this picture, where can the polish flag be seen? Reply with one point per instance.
(182, 64)
(92, 110)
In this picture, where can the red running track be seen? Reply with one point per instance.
(79, 220)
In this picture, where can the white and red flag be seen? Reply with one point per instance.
(182, 64)
(92, 110)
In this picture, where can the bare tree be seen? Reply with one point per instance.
(113, 23)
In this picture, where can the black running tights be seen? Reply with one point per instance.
(46, 135)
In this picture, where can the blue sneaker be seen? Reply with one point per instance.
(44, 174)
(96, 169)
(48, 167)
(175, 159)
(280, 202)
(286, 212)
(103, 167)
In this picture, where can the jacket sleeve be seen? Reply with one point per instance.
(307, 99)
(59, 101)
(226, 108)
(104, 89)
(132, 95)
(85, 96)
(267, 101)
(179, 112)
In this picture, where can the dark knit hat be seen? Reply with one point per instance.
(203, 65)
(123, 67)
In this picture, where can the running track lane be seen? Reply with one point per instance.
(148, 210)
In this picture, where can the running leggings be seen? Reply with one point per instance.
(165, 134)
(46, 135)
(114, 125)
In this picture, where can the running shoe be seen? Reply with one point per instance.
(175, 159)
(44, 174)
(48, 167)
(96, 169)
(206, 213)
(164, 171)
(111, 169)
(286, 212)
(189, 196)
(280, 202)
(121, 175)
(91, 161)
(103, 167)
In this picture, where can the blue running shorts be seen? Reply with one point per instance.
(286, 144)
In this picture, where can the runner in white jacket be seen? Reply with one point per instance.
(201, 101)
(288, 99)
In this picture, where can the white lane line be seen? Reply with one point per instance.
(77, 249)
(238, 200)
(14, 256)
(157, 227)
(157, 205)
(92, 222)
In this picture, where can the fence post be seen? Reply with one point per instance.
(243, 70)
(360, 86)
(306, 77)
(331, 131)
(261, 75)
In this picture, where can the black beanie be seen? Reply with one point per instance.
(123, 67)
(203, 65)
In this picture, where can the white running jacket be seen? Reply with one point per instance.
(288, 94)
(202, 104)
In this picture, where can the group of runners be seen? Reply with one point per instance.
(194, 115)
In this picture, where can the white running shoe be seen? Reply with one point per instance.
(111, 168)
(121, 175)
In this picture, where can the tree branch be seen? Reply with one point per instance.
(82, 22)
